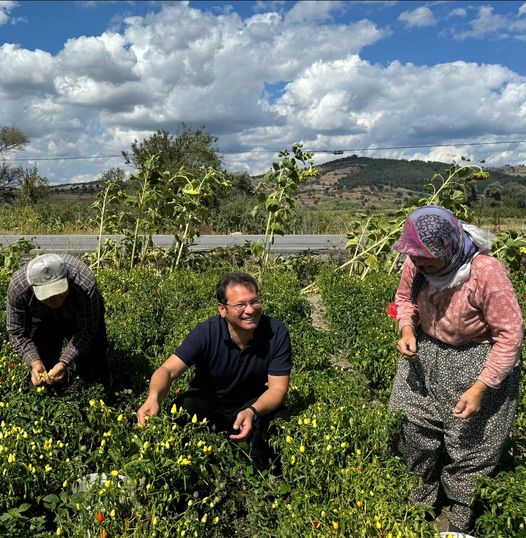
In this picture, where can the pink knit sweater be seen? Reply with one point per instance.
(483, 309)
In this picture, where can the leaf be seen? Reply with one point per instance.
(51, 501)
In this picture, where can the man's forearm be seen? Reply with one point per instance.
(159, 384)
(269, 401)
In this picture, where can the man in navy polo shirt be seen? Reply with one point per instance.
(242, 362)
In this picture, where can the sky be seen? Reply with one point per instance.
(392, 79)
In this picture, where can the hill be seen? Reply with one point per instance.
(350, 182)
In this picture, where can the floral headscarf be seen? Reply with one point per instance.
(434, 232)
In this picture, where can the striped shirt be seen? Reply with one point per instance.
(482, 309)
(82, 309)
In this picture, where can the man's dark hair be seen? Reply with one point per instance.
(234, 279)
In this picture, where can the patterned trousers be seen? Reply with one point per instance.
(444, 450)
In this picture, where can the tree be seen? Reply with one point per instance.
(12, 138)
(493, 193)
(10, 180)
(188, 149)
(34, 188)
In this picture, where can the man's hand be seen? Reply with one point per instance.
(148, 409)
(469, 403)
(39, 375)
(407, 344)
(244, 423)
(56, 374)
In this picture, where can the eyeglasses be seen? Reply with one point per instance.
(241, 307)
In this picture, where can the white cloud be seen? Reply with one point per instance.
(100, 93)
(418, 18)
(522, 10)
(5, 7)
(458, 12)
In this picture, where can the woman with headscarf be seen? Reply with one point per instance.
(457, 382)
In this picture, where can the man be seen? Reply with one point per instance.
(52, 300)
(242, 364)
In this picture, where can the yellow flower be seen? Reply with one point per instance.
(335, 525)
(65, 484)
(204, 518)
(174, 409)
(215, 520)
(288, 439)
(292, 460)
(114, 473)
(59, 531)
(112, 513)
(302, 449)
(194, 419)
(107, 484)
(120, 418)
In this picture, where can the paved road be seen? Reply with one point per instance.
(287, 244)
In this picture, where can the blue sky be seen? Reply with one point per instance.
(418, 79)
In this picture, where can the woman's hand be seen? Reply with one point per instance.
(407, 344)
(470, 402)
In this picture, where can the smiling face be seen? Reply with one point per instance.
(240, 312)
(428, 266)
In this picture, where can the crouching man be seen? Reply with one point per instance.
(242, 362)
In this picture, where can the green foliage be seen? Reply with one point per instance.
(360, 325)
(278, 191)
(65, 456)
(188, 149)
(34, 188)
(504, 505)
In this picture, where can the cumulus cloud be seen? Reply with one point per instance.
(488, 23)
(99, 93)
(369, 105)
(5, 8)
(418, 18)
(522, 10)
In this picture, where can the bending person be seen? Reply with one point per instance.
(52, 301)
(458, 377)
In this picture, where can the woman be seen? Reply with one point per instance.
(458, 378)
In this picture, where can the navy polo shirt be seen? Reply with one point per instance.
(227, 374)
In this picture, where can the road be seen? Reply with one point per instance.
(287, 244)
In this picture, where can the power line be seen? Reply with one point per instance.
(345, 150)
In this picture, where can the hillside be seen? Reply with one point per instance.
(350, 182)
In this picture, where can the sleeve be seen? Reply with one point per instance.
(89, 312)
(193, 346)
(407, 310)
(281, 360)
(503, 316)
(18, 326)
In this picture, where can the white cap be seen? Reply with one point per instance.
(48, 275)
